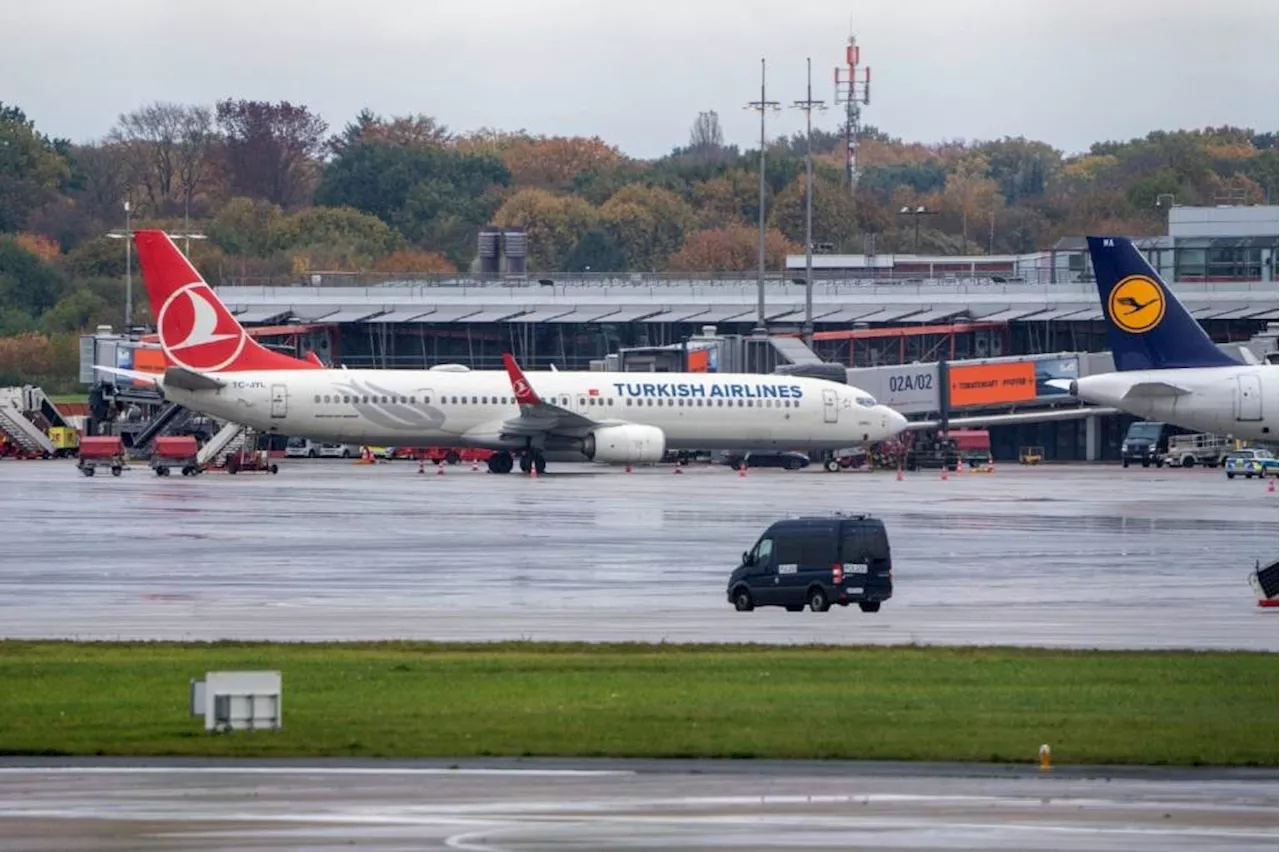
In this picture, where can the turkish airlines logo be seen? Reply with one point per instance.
(196, 332)
(521, 387)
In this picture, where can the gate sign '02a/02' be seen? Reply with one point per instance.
(910, 388)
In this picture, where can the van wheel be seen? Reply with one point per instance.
(818, 600)
(742, 601)
(832, 465)
(869, 606)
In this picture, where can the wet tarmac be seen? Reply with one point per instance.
(557, 805)
(1084, 556)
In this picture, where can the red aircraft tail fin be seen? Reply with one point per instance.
(196, 330)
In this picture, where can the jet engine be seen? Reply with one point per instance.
(627, 444)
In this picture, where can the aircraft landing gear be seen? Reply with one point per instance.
(501, 463)
(533, 460)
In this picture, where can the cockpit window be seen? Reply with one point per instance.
(867, 401)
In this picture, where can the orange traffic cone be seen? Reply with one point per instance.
(944, 472)
(1271, 486)
(742, 470)
(899, 474)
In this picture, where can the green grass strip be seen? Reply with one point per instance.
(526, 699)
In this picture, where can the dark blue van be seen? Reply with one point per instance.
(816, 561)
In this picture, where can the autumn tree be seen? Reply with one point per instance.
(271, 149)
(437, 197)
(167, 150)
(27, 283)
(553, 162)
(596, 251)
(553, 224)
(249, 226)
(731, 249)
(415, 260)
(730, 199)
(970, 197)
(835, 215)
(31, 168)
(648, 223)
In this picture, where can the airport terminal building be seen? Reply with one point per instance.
(873, 317)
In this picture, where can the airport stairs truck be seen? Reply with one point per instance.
(170, 419)
(230, 438)
(20, 409)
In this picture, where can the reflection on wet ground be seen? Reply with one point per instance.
(1077, 556)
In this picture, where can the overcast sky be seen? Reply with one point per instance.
(1068, 72)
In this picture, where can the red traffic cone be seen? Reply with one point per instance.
(628, 470)
(1271, 486)
(677, 470)
(475, 465)
(899, 474)
(439, 468)
(742, 471)
(944, 472)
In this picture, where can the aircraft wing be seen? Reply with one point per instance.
(1149, 390)
(1043, 415)
(537, 416)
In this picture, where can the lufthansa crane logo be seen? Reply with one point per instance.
(1136, 304)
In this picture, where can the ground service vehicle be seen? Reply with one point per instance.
(818, 561)
(1250, 463)
(101, 451)
(301, 448)
(933, 453)
(1147, 441)
(1196, 449)
(250, 461)
(787, 460)
(180, 451)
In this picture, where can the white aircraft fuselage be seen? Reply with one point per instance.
(460, 407)
(1238, 401)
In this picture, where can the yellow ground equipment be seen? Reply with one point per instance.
(1030, 455)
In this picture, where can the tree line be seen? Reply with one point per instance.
(277, 195)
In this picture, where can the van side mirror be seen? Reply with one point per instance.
(747, 558)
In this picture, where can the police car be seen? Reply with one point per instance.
(1250, 463)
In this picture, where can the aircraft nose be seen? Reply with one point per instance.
(893, 421)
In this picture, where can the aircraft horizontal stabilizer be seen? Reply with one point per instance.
(1150, 390)
(136, 375)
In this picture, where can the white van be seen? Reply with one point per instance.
(301, 448)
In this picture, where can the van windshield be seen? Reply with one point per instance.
(1145, 431)
(296, 442)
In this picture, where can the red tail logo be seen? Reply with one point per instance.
(196, 330)
(525, 394)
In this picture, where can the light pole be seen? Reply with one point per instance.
(763, 106)
(127, 236)
(916, 214)
(808, 105)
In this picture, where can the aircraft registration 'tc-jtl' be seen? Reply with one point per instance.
(1167, 367)
(216, 368)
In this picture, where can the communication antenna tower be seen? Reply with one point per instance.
(853, 89)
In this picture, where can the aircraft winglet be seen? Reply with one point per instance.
(519, 384)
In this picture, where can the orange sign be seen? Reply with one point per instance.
(993, 383)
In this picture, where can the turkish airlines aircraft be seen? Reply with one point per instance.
(1167, 368)
(217, 369)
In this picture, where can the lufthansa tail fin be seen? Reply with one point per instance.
(1148, 327)
(196, 330)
